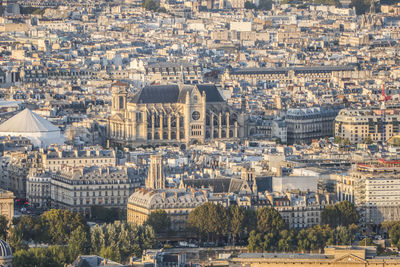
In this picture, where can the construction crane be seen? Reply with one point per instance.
(384, 99)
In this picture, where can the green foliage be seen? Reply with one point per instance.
(78, 242)
(151, 5)
(368, 141)
(53, 256)
(287, 241)
(31, 10)
(338, 140)
(15, 239)
(107, 215)
(209, 219)
(255, 242)
(236, 221)
(116, 241)
(110, 253)
(61, 223)
(343, 213)
(346, 142)
(394, 234)
(160, 221)
(119, 240)
(367, 242)
(3, 227)
(269, 221)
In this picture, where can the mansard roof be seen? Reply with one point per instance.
(174, 94)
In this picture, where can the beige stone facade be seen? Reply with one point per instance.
(7, 204)
(177, 203)
(172, 114)
(358, 125)
(333, 257)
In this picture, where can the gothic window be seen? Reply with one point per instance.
(121, 102)
(208, 120)
(173, 121)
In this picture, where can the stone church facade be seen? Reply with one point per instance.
(172, 114)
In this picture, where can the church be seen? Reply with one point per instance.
(172, 114)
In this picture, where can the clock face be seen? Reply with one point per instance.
(196, 115)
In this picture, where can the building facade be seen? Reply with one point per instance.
(288, 75)
(374, 188)
(7, 204)
(307, 124)
(78, 189)
(357, 125)
(177, 203)
(338, 256)
(55, 160)
(172, 114)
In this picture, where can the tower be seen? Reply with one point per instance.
(155, 176)
(119, 94)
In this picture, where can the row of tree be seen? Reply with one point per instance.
(64, 235)
(211, 222)
(310, 239)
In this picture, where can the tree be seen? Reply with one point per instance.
(78, 242)
(287, 241)
(236, 221)
(151, 5)
(330, 216)
(160, 221)
(3, 227)
(110, 253)
(394, 234)
(338, 140)
(348, 213)
(209, 219)
(367, 242)
(250, 220)
(346, 142)
(97, 239)
(368, 141)
(60, 224)
(105, 214)
(269, 220)
(343, 236)
(44, 257)
(303, 244)
(255, 242)
(342, 213)
(15, 239)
